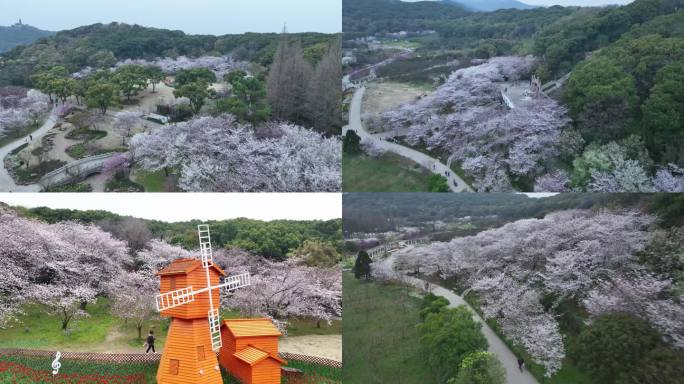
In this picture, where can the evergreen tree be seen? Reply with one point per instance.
(362, 266)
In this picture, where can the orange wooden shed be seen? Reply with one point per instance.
(250, 350)
(188, 357)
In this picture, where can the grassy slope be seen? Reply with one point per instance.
(380, 339)
(39, 331)
(101, 332)
(389, 173)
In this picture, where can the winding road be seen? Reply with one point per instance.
(7, 183)
(456, 184)
(496, 346)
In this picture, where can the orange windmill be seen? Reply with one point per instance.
(190, 296)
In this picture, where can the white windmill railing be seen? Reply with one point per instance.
(186, 295)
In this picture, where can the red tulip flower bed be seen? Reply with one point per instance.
(14, 373)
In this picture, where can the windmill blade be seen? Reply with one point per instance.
(215, 329)
(205, 244)
(234, 282)
(174, 299)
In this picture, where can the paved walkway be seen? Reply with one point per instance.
(7, 184)
(496, 346)
(455, 182)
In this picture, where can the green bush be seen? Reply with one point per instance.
(613, 345)
(438, 183)
(78, 187)
(448, 336)
(121, 183)
(432, 304)
(480, 368)
(351, 143)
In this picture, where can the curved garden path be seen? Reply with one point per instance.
(496, 345)
(7, 183)
(456, 184)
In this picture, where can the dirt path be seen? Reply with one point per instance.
(327, 346)
(385, 96)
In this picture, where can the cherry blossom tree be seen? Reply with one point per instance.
(567, 253)
(220, 65)
(283, 290)
(642, 294)
(133, 295)
(556, 181)
(669, 179)
(20, 108)
(63, 301)
(465, 117)
(372, 149)
(220, 154)
(124, 122)
(60, 265)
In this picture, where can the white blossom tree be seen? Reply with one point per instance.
(133, 295)
(124, 122)
(465, 117)
(567, 253)
(283, 290)
(60, 265)
(219, 154)
(20, 108)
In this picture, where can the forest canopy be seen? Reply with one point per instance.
(92, 45)
(272, 239)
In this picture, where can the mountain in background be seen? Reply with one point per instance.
(20, 34)
(490, 5)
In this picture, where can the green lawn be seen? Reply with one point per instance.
(101, 332)
(303, 327)
(151, 181)
(38, 331)
(389, 173)
(380, 340)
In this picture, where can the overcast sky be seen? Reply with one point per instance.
(173, 207)
(584, 3)
(215, 17)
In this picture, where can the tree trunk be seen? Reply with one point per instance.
(318, 323)
(65, 323)
(83, 305)
(139, 331)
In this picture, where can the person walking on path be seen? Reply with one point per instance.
(150, 342)
(521, 364)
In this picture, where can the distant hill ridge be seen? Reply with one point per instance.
(490, 5)
(20, 34)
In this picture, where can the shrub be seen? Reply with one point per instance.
(480, 368)
(432, 304)
(613, 345)
(448, 336)
(351, 143)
